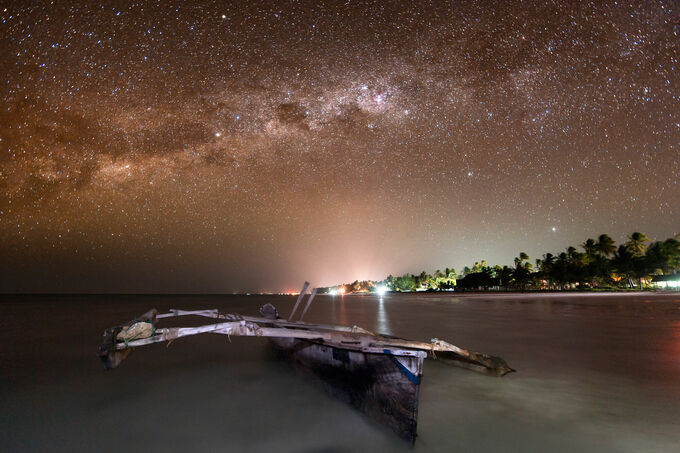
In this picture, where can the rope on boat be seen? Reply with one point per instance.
(434, 343)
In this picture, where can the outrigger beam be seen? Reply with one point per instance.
(352, 338)
(215, 314)
(248, 329)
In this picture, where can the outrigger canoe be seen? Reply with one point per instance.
(378, 374)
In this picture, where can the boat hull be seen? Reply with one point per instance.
(385, 386)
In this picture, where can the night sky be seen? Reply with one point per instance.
(211, 147)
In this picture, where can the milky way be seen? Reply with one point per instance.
(214, 147)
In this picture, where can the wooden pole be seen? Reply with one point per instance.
(309, 302)
(302, 294)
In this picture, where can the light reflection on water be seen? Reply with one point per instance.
(342, 315)
(595, 373)
(383, 322)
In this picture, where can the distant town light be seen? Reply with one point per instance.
(672, 284)
(381, 290)
(341, 290)
(334, 292)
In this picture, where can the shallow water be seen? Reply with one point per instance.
(595, 373)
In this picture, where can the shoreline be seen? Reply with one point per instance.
(387, 294)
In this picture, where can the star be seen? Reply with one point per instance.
(364, 128)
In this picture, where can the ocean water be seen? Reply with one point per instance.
(595, 373)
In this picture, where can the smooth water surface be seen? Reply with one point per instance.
(595, 373)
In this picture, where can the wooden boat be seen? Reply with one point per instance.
(378, 374)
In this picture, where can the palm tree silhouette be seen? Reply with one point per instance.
(522, 272)
(605, 245)
(624, 262)
(590, 247)
(637, 243)
(664, 256)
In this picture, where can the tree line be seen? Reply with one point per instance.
(599, 264)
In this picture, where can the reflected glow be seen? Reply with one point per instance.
(342, 315)
(383, 323)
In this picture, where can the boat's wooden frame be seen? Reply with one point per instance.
(378, 374)
(352, 338)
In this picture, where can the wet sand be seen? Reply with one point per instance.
(596, 373)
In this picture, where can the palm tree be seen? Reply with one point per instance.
(624, 262)
(672, 247)
(573, 254)
(548, 259)
(558, 270)
(637, 243)
(590, 247)
(599, 270)
(544, 266)
(575, 266)
(663, 256)
(522, 257)
(522, 272)
(605, 245)
(505, 275)
(655, 257)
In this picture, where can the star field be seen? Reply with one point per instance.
(206, 146)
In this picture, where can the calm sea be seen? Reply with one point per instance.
(595, 373)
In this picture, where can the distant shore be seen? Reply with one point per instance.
(388, 293)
